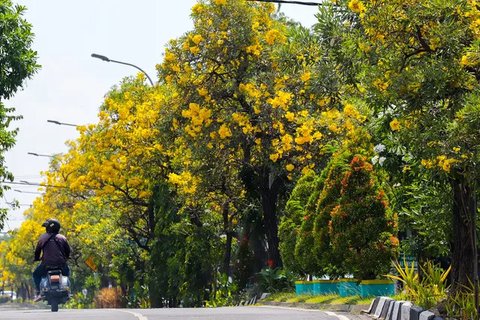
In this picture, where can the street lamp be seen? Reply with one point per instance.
(14, 204)
(103, 58)
(28, 182)
(63, 123)
(40, 155)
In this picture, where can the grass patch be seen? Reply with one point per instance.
(324, 299)
(352, 300)
(280, 296)
(299, 298)
(320, 299)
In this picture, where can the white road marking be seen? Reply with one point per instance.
(330, 313)
(135, 314)
(290, 308)
(336, 315)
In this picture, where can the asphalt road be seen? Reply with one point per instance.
(230, 313)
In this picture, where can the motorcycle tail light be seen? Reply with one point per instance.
(55, 278)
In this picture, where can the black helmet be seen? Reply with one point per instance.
(52, 225)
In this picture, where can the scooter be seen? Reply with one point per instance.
(55, 288)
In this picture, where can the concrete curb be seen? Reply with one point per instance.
(349, 308)
(388, 309)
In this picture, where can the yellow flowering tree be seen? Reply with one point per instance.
(117, 160)
(102, 190)
(249, 107)
(16, 254)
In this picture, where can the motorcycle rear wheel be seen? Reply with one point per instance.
(54, 305)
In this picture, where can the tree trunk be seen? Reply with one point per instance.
(228, 255)
(463, 241)
(228, 243)
(269, 194)
(268, 187)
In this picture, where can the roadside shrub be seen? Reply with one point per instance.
(223, 292)
(79, 301)
(275, 280)
(461, 304)
(426, 292)
(292, 228)
(340, 222)
(109, 298)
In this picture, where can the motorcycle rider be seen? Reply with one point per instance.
(56, 252)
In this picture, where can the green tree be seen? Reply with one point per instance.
(17, 63)
(340, 221)
(417, 63)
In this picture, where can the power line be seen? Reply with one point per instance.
(303, 3)
(26, 183)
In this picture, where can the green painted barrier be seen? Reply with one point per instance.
(348, 287)
(323, 287)
(303, 287)
(371, 288)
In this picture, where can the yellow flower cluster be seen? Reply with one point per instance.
(197, 39)
(305, 133)
(442, 161)
(198, 116)
(287, 142)
(170, 56)
(290, 116)
(273, 36)
(254, 49)
(281, 100)
(350, 111)
(395, 125)
(470, 59)
(305, 76)
(250, 90)
(198, 8)
(185, 181)
(381, 85)
(224, 131)
(282, 146)
(356, 6)
(445, 163)
(473, 13)
(192, 45)
(243, 121)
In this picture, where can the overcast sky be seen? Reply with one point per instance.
(70, 85)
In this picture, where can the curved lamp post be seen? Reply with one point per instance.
(103, 58)
(40, 155)
(62, 123)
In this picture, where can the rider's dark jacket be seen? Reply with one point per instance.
(56, 249)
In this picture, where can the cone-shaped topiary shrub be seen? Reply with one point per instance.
(361, 225)
(290, 228)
